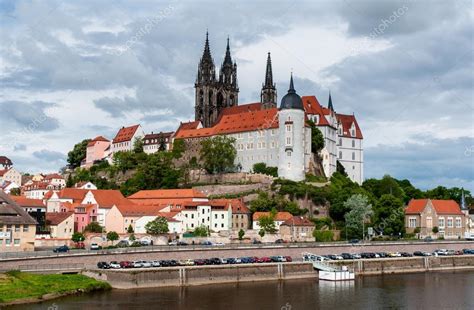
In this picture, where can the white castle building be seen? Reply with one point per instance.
(279, 137)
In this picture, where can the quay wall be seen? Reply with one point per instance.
(202, 275)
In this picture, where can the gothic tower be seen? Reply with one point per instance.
(268, 96)
(227, 95)
(213, 95)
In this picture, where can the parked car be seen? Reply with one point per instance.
(264, 259)
(217, 244)
(199, 262)
(231, 260)
(468, 251)
(406, 254)
(126, 264)
(458, 252)
(288, 259)
(347, 256)
(215, 261)
(206, 242)
(280, 241)
(61, 249)
(353, 241)
(79, 245)
(182, 243)
(103, 265)
(188, 262)
(155, 263)
(356, 256)
(122, 244)
(394, 254)
(442, 252)
(115, 265)
(173, 263)
(255, 241)
(145, 242)
(95, 246)
(137, 264)
(174, 242)
(450, 252)
(382, 254)
(165, 263)
(428, 239)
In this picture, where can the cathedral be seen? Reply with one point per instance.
(279, 136)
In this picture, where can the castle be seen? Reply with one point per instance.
(277, 136)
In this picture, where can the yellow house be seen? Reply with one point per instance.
(60, 224)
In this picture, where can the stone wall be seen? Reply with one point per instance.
(191, 275)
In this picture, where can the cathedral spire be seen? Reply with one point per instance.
(292, 87)
(268, 96)
(268, 73)
(207, 50)
(330, 106)
(228, 58)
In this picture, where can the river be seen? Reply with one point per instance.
(437, 290)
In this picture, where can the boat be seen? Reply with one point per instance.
(328, 272)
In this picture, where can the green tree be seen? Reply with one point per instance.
(138, 145)
(435, 230)
(218, 154)
(112, 236)
(340, 168)
(389, 215)
(241, 234)
(201, 231)
(323, 235)
(93, 227)
(264, 169)
(130, 229)
(78, 153)
(261, 233)
(15, 191)
(69, 181)
(360, 211)
(389, 185)
(157, 226)
(162, 145)
(179, 147)
(317, 138)
(267, 223)
(78, 237)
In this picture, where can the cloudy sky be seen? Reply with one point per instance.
(77, 69)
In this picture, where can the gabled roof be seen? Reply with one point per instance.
(53, 176)
(148, 138)
(312, 106)
(238, 207)
(298, 221)
(188, 126)
(56, 218)
(451, 207)
(125, 134)
(12, 213)
(105, 198)
(27, 203)
(237, 109)
(346, 121)
(97, 139)
(280, 216)
(168, 194)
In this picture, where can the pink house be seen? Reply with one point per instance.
(84, 214)
(96, 150)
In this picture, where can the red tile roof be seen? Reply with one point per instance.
(53, 176)
(28, 203)
(346, 122)
(312, 106)
(55, 218)
(105, 198)
(125, 134)
(237, 109)
(167, 194)
(136, 210)
(5, 161)
(416, 206)
(280, 216)
(2, 172)
(236, 122)
(298, 221)
(238, 207)
(97, 139)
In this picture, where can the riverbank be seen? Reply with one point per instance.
(19, 288)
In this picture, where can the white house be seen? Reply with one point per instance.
(279, 219)
(125, 138)
(10, 175)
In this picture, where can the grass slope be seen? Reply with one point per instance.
(15, 285)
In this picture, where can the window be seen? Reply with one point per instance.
(8, 242)
(203, 210)
(222, 225)
(450, 222)
(353, 143)
(222, 216)
(412, 222)
(353, 155)
(340, 141)
(288, 128)
(26, 228)
(215, 225)
(17, 228)
(288, 140)
(429, 222)
(288, 154)
(441, 222)
(340, 155)
(458, 222)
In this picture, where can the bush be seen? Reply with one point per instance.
(264, 169)
(323, 235)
